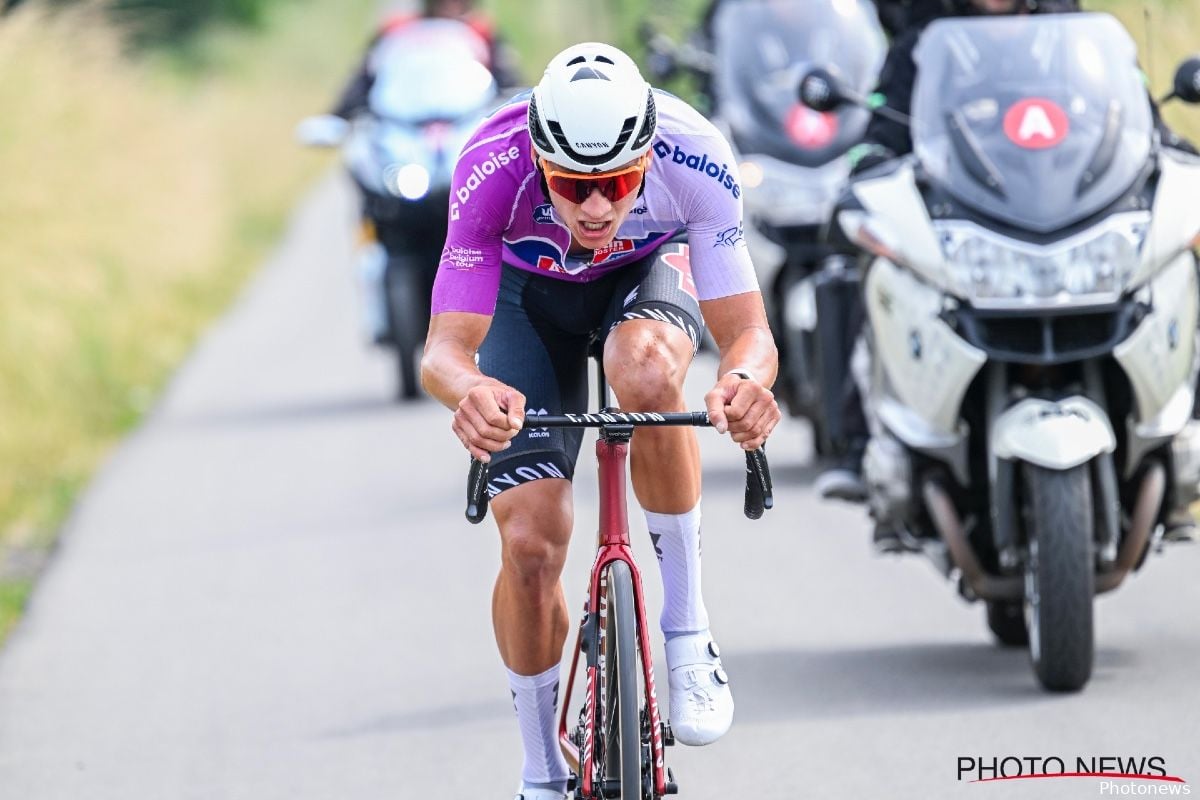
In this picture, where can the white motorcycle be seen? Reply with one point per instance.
(431, 91)
(1033, 323)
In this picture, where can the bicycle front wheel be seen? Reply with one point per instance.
(624, 772)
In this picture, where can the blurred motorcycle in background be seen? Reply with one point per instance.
(432, 88)
(793, 164)
(1032, 309)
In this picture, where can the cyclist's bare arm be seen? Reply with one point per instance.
(479, 403)
(746, 408)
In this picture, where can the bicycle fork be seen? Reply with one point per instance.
(580, 749)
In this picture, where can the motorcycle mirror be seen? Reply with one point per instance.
(661, 65)
(1187, 81)
(325, 130)
(821, 91)
(662, 54)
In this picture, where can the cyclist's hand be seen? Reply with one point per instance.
(743, 407)
(487, 419)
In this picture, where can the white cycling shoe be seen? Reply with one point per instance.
(539, 794)
(701, 703)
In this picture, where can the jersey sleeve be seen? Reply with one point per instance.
(481, 200)
(709, 194)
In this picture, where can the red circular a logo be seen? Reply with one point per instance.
(810, 129)
(1036, 124)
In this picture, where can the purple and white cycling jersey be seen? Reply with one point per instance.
(498, 212)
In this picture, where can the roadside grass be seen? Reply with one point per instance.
(138, 194)
(1166, 32)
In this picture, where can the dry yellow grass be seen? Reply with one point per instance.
(135, 197)
(1167, 34)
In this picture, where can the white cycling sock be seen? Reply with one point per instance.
(676, 539)
(536, 699)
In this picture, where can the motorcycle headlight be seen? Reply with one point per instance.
(1094, 266)
(410, 181)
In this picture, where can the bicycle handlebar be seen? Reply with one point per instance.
(698, 419)
(758, 496)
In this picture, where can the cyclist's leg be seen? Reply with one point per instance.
(529, 348)
(647, 355)
(529, 615)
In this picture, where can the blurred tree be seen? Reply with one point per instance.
(173, 21)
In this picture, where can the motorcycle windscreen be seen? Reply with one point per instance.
(1036, 121)
(431, 70)
(762, 49)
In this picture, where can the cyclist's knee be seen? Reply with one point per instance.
(535, 522)
(647, 364)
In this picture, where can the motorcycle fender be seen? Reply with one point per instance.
(895, 207)
(1176, 217)
(1055, 435)
(1158, 357)
(928, 366)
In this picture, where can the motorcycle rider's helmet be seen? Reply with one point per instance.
(592, 111)
(447, 8)
(996, 6)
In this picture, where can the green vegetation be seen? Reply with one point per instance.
(170, 22)
(540, 28)
(138, 195)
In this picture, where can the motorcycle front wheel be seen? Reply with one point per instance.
(405, 320)
(1059, 577)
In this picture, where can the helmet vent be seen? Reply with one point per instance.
(606, 60)
(576, 60)
(587, 73)
(650, 123)
(535, 128)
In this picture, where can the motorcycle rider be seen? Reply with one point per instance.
(566, 217)
(885, 139)
(898, 16)
(499, 58)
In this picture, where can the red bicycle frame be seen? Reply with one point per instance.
(612, 450)
(613, 546)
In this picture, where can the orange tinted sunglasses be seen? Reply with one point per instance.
(578, 186)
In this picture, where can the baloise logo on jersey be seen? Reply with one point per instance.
(700, 163)
(479, 173)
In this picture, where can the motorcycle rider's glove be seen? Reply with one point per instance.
(832, 233)
(866, 155)
(1176, 142)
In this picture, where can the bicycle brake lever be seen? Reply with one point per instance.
(758, 484)
(477, 496)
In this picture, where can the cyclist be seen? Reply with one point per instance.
(568, 214)
(499, 58)
(884, 140)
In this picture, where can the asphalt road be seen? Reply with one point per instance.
(270, 592)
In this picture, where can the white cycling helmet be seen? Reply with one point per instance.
(592, 111)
